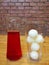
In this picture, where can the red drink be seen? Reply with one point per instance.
(13, 46)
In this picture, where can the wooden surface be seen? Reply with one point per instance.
(24, 60)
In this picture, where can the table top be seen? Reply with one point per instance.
(24, 59)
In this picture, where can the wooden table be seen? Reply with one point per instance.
(24, 60)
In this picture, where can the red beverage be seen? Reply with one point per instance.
(13, 46)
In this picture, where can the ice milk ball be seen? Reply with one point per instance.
(35, 46)
(39, 39)
(29, 39)
(33, 33)
(34, 55)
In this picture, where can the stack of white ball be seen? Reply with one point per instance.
(34, 38)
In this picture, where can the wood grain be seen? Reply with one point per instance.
(24, 60)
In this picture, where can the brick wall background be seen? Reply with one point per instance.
(23, 15)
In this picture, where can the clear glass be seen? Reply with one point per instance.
(30, 50)
(34, 55)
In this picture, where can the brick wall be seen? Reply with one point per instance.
(23, 15)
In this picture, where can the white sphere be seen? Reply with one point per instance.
(33, 33)
(35, 46)
(29, 39)
(34, 55)
(40, 39)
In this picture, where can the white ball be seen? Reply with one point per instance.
(33, 33)
(40, 39)
(34, 55)
(35, 46)
(29, 39)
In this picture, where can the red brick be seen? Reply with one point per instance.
(4, 4)
(20, 7)
(6, 1)
(22, 11)
(15, 11)
(29, 0)
(35, 15)
(33, 4)
(36, 0)
(43, 0)
(8, 15)
(11, 4)
(14, 0)
(42, 8)
(31, 11)
(12, 11)
(18, 4)
(46, 11)
(13, 15)
(47, 4)
(21, 15)
(13, 7)
(1, 7)
(3, 11)
(28, 15)
(41, 15)
(28, 8)
(7, 7)
(1, 1)
(41, 4)
(31, 19)
(25, 4)
(47, 14)
(26, 11)
(40, 12)
(35, 8)
(40, 19)
(21, 0)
